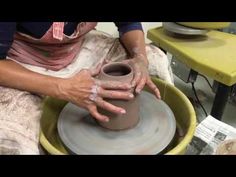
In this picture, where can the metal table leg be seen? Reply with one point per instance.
(220, 101)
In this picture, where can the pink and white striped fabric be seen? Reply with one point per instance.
(54, 50)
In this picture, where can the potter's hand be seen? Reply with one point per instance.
(88, 92)
(141, 75)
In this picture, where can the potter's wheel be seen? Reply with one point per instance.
(81, 134)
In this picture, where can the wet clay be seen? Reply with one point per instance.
(120, 72)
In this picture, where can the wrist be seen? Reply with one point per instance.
(60, 89)
(143, 58)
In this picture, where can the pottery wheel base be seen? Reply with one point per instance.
(81, 134)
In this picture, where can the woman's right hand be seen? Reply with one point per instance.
(87, 92)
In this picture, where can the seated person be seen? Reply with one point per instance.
(60, 60)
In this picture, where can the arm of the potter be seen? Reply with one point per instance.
(77, 89)
(15, 76)
(134, 42)
(132, 36)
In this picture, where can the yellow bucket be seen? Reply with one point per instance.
(205, 25)
(178, 102)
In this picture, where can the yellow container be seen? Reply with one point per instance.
(205, 25)
(178, 102)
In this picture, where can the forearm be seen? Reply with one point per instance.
(134, 42)
(15, 76)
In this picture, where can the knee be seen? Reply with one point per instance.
(14, 143)
(7, 148)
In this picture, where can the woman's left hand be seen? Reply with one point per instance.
(141, 75)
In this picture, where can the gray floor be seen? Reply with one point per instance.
(206, 96)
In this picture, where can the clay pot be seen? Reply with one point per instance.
(120, 72)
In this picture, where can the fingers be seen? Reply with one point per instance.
(154, 88)
(137, 75)
(109, 107)
(115, 94)
(94, 112)
(141, 84)
(136, 70)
